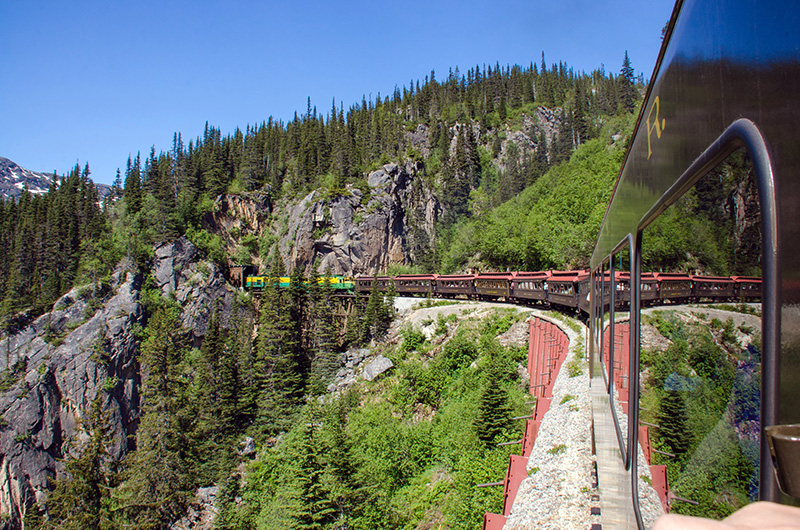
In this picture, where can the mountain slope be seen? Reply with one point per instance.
(14, 178)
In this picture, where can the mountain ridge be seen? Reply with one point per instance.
(15, 178)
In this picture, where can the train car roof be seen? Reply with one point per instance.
(416, 276)
(749, 279)
(568, 275)
(538, 275)
(497, 275)
(455, 276)
(714, 279)
(672, 276)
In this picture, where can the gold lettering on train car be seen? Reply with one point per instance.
(657, 125)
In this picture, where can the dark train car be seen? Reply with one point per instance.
(494, 284)
(562, 288)
(674, 287)
(530, 287)
(452, 285)
(648, 286)
(364, 283)
(747, 288)
(415, 284)
(713, 288)
(649, 289)
(583, 295)
(727, 82)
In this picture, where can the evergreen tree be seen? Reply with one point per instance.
(345, 491)
(494, 411)
(317, 511)
(281, 386)
(132, 192)
(674, 430)
(627, 90)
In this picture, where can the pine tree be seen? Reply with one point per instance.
(627, 90)
(281, 385)
(346, 493)
(674, 430)
(494, 411)
(132, 193)
(317, 510)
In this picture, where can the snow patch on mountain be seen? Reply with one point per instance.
(15, 178)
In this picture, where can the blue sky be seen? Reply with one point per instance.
(95, 81)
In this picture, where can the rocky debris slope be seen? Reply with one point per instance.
(358, 364)
(201, 513)
(83, 350)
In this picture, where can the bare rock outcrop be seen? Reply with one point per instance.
(54, 368)
(198, 285)
(237, 215)
(359, 232)
(83, 350)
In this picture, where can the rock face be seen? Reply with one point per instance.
(235, 216)
(50, 380)
(52, 369)
(362, 232)
(199, 286)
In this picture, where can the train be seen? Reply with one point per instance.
(726, 81)
(566, 290)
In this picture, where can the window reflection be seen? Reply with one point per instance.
(700, 357)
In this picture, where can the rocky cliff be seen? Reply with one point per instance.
(356, 231)
(198, 285)
(361, 232)
(363, 228)
(52, 370)
(85, 348)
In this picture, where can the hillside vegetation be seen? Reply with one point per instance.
(517, 164)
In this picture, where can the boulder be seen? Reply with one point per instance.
(376, 367)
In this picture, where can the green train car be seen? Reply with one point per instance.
(338, 283)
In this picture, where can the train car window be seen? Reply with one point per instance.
(616, 342)
(700, 361)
